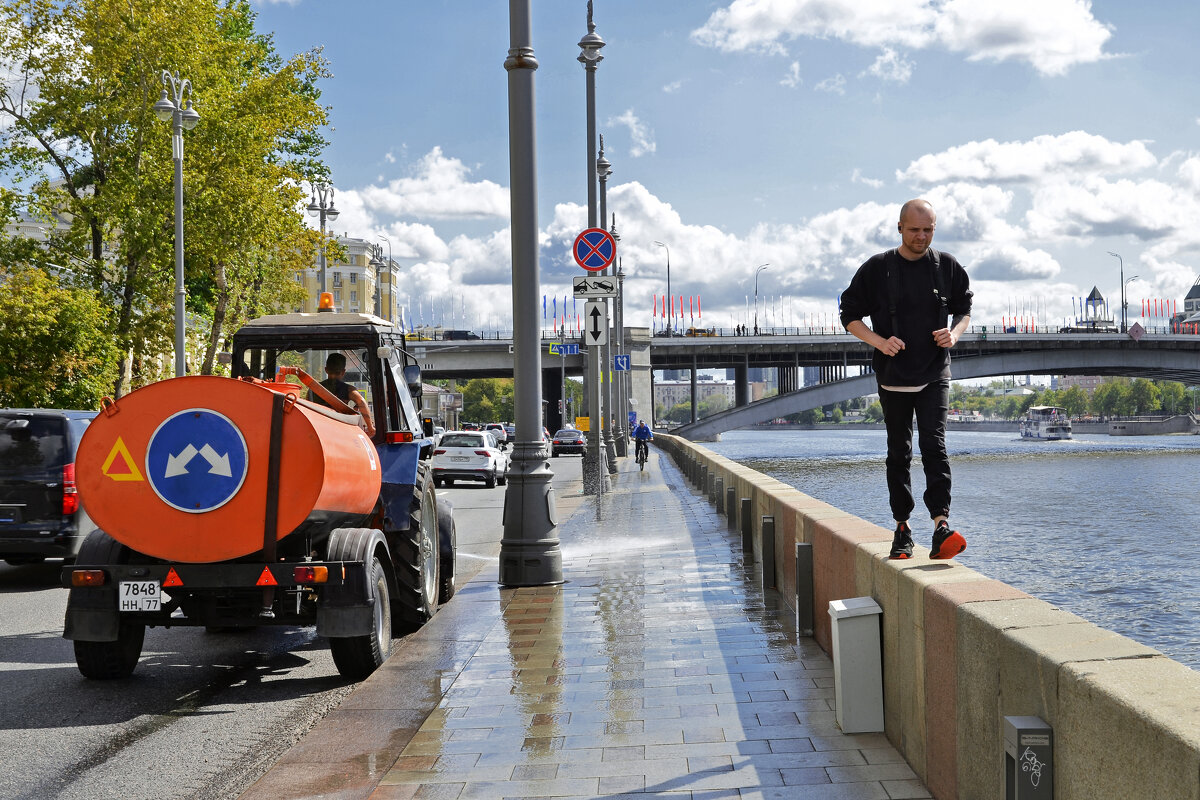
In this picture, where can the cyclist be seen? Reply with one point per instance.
(641, 435)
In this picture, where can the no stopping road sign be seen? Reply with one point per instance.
(594, 249)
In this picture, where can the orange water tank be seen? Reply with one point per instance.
(178, 469)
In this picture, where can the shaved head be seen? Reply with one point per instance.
(915, 205)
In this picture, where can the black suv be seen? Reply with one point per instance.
(40, 513)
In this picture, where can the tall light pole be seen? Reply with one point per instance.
(177, 109)
(1117, 256)
(377, 263)
(760, 269)
(322, 206)
(1125, 284)
(391, 315)
(660, 244)
(612, 427)
(529, 552)
(594, 472)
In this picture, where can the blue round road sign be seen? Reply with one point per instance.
(196, 460)
(595, 249)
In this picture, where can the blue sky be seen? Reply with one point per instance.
(744, 132)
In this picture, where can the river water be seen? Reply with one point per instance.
(1104, 527)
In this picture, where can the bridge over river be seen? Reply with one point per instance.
(842, 361)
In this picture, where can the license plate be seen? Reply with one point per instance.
(460, 458)
(139, 595)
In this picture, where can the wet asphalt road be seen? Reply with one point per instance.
(204, 714)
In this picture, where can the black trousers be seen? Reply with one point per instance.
(929, 406)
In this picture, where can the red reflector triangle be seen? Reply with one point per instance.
(266, 579)
(172, 578)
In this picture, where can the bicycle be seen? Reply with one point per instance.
(643, 451)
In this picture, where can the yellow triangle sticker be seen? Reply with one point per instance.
(126, 469)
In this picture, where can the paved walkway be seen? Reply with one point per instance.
(658, 668)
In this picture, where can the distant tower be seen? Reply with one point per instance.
(1191, 303)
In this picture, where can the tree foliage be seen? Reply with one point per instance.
(54, 351)
(488, 400)
(80, 140)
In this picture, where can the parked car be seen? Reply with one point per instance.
(41, 515)
(511, 431)
(469, 455)
(568, 440)
(459, 335)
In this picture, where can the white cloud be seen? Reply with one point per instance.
(1149, 210)
(1050, 35)
(641, 135)
(792, 78)
(891, 66)
(672, 87)
(439, 188)
(834, 85)
(857, 177)
(1028, 161)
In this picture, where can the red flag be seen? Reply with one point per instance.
(698, 314)
(691, 309)
(671, 308)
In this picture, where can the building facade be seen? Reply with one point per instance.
(354, 282)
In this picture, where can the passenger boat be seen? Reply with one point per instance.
(1046, 422)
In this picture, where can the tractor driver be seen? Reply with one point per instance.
(335, 371)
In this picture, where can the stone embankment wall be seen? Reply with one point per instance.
(961, 651)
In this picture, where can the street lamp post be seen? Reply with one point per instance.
(1124, 327)
(613, 445)
(760, 269)
(594, 471)
(376, 262)
(322, 207)
(391, 315)
(661, 244)
(1125, 292)
(529, 551)
(176, 108)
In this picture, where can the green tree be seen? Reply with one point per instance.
(54, 348)
(710, 405)
(79, 137)
(487, 400)
(1074, 400)
(1145, 397)
(1173, 399)
(874, 412)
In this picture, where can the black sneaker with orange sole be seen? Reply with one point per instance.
(946, 543)
(902, 542)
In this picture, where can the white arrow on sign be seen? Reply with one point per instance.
(597, 323)
(217, 465)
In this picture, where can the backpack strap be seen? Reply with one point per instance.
(893, 288)
(939, 281)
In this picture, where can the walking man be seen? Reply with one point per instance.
(908, 293)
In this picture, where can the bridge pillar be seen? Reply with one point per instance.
(741, 384)
(694, 414)
(551, 395)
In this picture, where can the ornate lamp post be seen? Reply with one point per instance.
(594, 477)
(177, 109)
(322, 206)
(760, 269)
(391, 306)
(529, 551)
(376, 263)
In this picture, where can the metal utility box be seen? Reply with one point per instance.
(1028, 759)
(857, 667)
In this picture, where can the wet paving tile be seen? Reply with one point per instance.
(657, 668)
